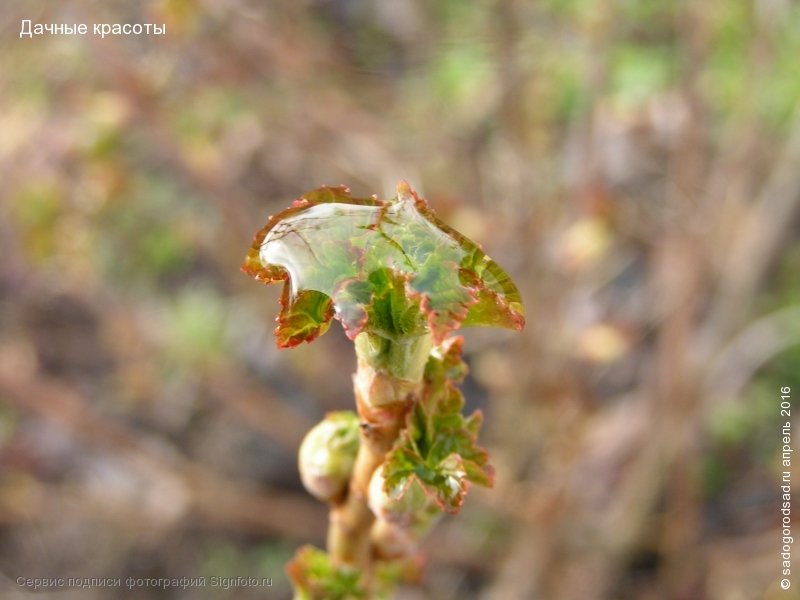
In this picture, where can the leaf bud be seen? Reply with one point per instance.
(327, 455)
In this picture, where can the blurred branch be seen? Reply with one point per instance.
(213, 497)
(260, 409)
(761, 233)
(734, 367)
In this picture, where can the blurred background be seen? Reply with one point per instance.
(635, 166)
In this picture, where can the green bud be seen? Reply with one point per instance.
(327, 455)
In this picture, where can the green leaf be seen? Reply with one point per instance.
(437, 450)
(388, 267)
(315, 577)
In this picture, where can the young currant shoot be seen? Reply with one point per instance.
(400, 282)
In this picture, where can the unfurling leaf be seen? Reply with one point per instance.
(388, 267)
(437, 450)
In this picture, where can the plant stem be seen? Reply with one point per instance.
(387, 382)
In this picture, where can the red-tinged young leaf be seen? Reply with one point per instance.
(388, 267)
(315, 577)
(473, 423)
(438, 449)
(303, 320)
(481, 474)
(448, 356)
(335, 194)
